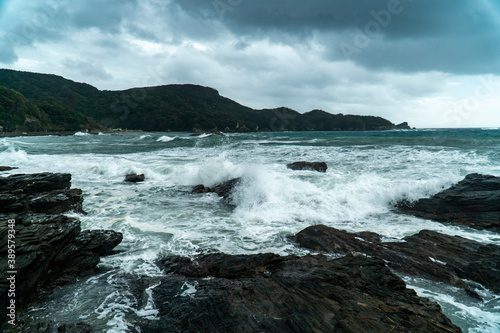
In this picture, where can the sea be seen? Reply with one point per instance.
(368, 173)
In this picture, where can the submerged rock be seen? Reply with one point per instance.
(474, 202)
(51, 327)
(134, 178)
(7, 168)
(270, 293)
(222, 190)
(312, 166)
(450, 259)
(201, 189)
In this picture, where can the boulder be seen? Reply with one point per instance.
(429, 254)
(226, 188)
(223, 189)
(134, 178)
(312, 166)
(473, 202)
(201, 189)
(270, 293)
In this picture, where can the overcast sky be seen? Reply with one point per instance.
(431, 63)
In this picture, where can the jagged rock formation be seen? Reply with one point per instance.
(223, 189)
(474, 202)
(450, 259)
(50, 249)
(270, 293)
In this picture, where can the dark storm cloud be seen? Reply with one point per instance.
(24, 24)
(105, 15)
(448, 35)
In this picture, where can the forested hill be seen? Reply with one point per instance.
(42, 102)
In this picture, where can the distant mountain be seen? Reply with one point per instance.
(42, 102)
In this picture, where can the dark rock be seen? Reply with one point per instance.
(50, 249)
(51, 327)
(7, 168)
(326, 239)
(312, 166)
(402, 126)
(428, 254)
(270, 293)
(54, 202)
(444, 258)
(201, 189)
(216, 132)
(474, 202)
(35, 183)
(223, 189)
(134, 178)
(39, 193)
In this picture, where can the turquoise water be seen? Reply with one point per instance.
(368, 173)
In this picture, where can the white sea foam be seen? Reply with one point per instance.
(166, 138)
(81, 134)
(161, 217)
(460, 307)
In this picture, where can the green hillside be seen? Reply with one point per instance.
(66, 105)
(19, 114)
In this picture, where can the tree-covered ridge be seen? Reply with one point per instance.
(67, 105)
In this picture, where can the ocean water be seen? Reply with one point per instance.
(368, 173)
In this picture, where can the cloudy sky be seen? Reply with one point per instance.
(431, 63)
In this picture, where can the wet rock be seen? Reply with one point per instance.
(223, 189)
(51, 327)
(450, 259)
(83, 254)
(7, 168)
(35, 183)
(474, 202)
(312, 166)
(327, 239)
(50, 249)
(134, 178)
(270, 293)
(216, 132)
(201, 189)
(47, 193)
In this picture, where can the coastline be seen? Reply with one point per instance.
(156, 218)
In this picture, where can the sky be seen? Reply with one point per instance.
(430, 63)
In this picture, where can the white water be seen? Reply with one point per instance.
(366, 177)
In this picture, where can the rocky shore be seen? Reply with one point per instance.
(352, 285)
(473, 202)
(49, 249)
(271, 293)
